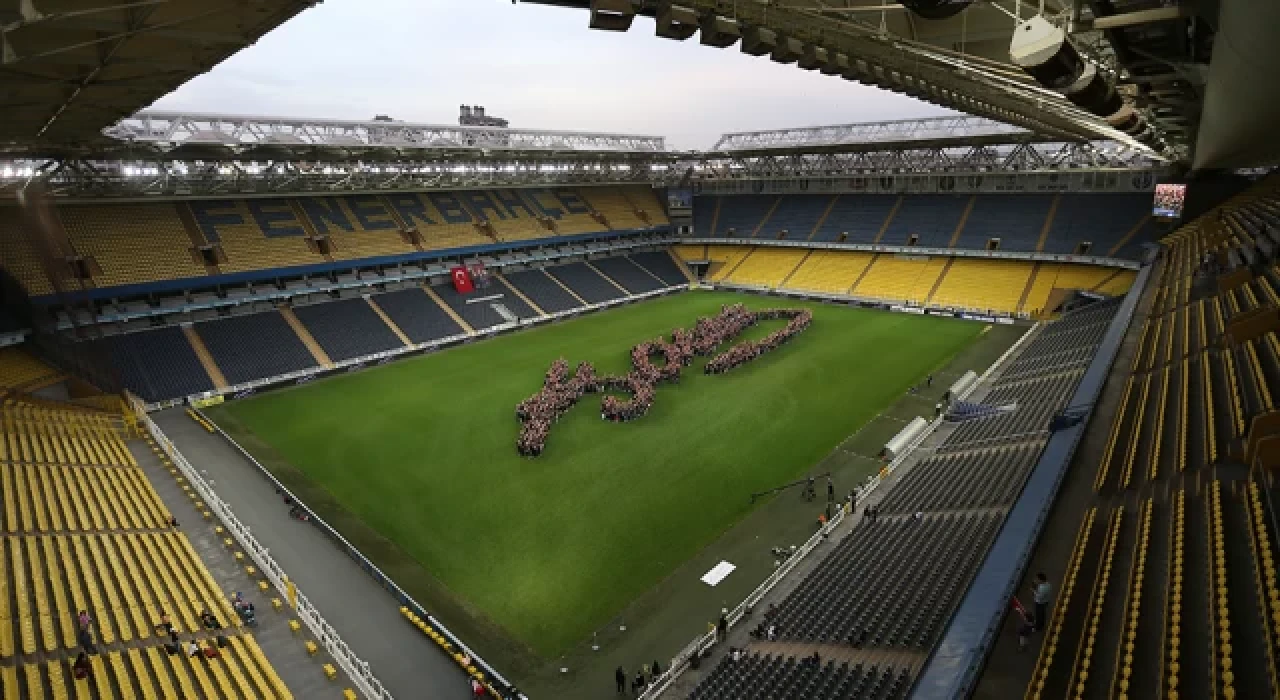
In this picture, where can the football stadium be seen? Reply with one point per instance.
(972, 405)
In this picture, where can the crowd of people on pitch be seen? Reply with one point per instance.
(743, 353)
(560, 392)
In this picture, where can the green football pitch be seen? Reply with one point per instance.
(415, 461)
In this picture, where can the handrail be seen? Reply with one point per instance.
(355, 668)
(385, 581)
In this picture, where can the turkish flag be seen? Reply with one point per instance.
(461, 280)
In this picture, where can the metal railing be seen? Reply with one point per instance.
(326, 636)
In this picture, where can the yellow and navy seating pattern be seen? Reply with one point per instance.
(1005, 286)
(142, 243)
(82, 528)
(1184, 600)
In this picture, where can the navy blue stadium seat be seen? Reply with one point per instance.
(661, 265)
(254, 346)
(586, 283)
(418, 315)
(347, 328)
(158, 364)
(631, 276)
(543, 291)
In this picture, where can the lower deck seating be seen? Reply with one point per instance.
(631, 276)
(157, 364)
(830, 271)
(543, 291)
(984, 284)
(767, 267)
(763, 677)
(347, 328)
(254, 346)
(418, 315)
(478, 314)
(660, 264)
(20, 369)
(901, 278)
(586, 283)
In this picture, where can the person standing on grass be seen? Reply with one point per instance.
(620, 677)
(1042, 592)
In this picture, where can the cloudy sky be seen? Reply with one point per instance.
(538, 66)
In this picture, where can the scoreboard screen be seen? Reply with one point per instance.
(1169, 200)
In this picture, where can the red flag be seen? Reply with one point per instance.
(461, 280)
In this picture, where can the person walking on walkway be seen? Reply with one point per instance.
(1041, 592)
(722, 626)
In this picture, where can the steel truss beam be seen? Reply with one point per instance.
(115, 178)
(240, 133)
(868, 132)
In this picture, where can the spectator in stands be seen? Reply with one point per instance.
(1026, 627)
(192, 649)
(166, 625)
(620, 677)
(81, 668)
(1041, 593)
(173, 521)
(477, 688)
(84, 620)
(208, 620)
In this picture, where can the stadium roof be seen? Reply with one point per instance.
(70, 68)
(1201, 102)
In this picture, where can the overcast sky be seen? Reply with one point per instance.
(538, 66)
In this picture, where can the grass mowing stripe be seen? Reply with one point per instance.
(422, 452)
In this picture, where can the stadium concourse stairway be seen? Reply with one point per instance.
(885, 592)
(983, 284)
(82, 528)
(1110, 224)
(318, 330)
(202, 241)
(1171, 587)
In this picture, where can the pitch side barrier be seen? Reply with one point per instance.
(681, 661)
(952, 669)
(355, 668)
(982, 315)
(923, 251)
(247, 389)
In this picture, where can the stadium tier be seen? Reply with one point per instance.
(1175, 590)
(1111, 224)
(220, 241)
(889, 587)
(254, 341)
(771, 676)
(996, 285)
(84, 530)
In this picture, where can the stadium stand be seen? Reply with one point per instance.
(549, 295)
(628, 274)
(347, 328)
(85, 530)
(901, 278)
(660, 265)
(891, 584)
(133, 245)
(1198, 547)
(831, 271)
(997, 285)
(767, 267)
(586, 283)
(740, 216)
(772, 676)
(927, 220)
(1113, 224)
(22, 371)
(478, 315)
(861, 217)
(157, 364)
(254, 346)
(417, 315)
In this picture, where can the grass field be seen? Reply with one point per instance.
(546, 550)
